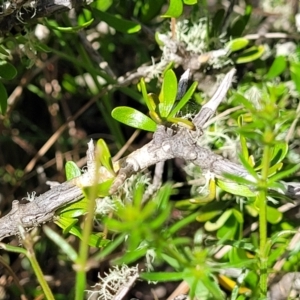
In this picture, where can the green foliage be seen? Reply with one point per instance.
(182, 231)
(162, 108)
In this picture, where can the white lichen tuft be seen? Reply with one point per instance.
(113, 282)
(106, 205)
(194, 36)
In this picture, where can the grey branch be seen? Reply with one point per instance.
(167, 143)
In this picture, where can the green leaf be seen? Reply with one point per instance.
(3, 51)
(73, 29)
(72, 170)
(102, 188)
(3, 99)
(250, 54)
(228, 229)
(182, 102)
(212, 226)
(117, 23)
(182, 122)
(134, 118)
(174, 10)
(235, 188)
(105, 156)
(237, 44)
(190, 2)
(168, 93)
(240, 23)
(149, 10)
(273, 215)
(278, 66)
(61, 243)
(171, 261)
(284, 173)
(102, 5)
(79, 206)
(14, 249)
(149, 99)
(280, 151)
(66, 223)
(245, 152)
(295, 75)
(7, 70)
(162, 276)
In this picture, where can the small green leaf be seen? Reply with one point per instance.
(182, 102)
(238, 215)
(168, 93)
(72, 170)
(73, 29)
(102, 5)
(14, 249)
(7, 70)
(279, 152)
(278, 66)
(66, 223)
(250, 54)
(149, 100)
(245, 152)
(76, 209)
(237, 44)
(174, 10)
(182, 122)
(3, 99)
(295, 75)
(190, 2)
(102, 189)
(117, 23)
(61, 243)
(162, 276)
(3, 51)
(235, 188)
(284, 173)
(228, 229)
(212, 226)
(171, 261)
(133, 118)
(104, 155)
(273, 215)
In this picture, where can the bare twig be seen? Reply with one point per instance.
(167, 143)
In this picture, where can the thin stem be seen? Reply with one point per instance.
(38, 271)
(87, 229)
(262, 203)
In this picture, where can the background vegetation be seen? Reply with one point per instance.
(62, 77)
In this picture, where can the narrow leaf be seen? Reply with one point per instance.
(250, 54)
(104, 155)
(133, 118)
(117, 23)
(72, 170)
(237, 44)
(149, 102)
(3, 99)
(162, 276)
(7, 70)
(278, 66)
(168, 93)
(61, 243)
(73, 29)
(235, 188)
(187, 96)
(174, 10)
